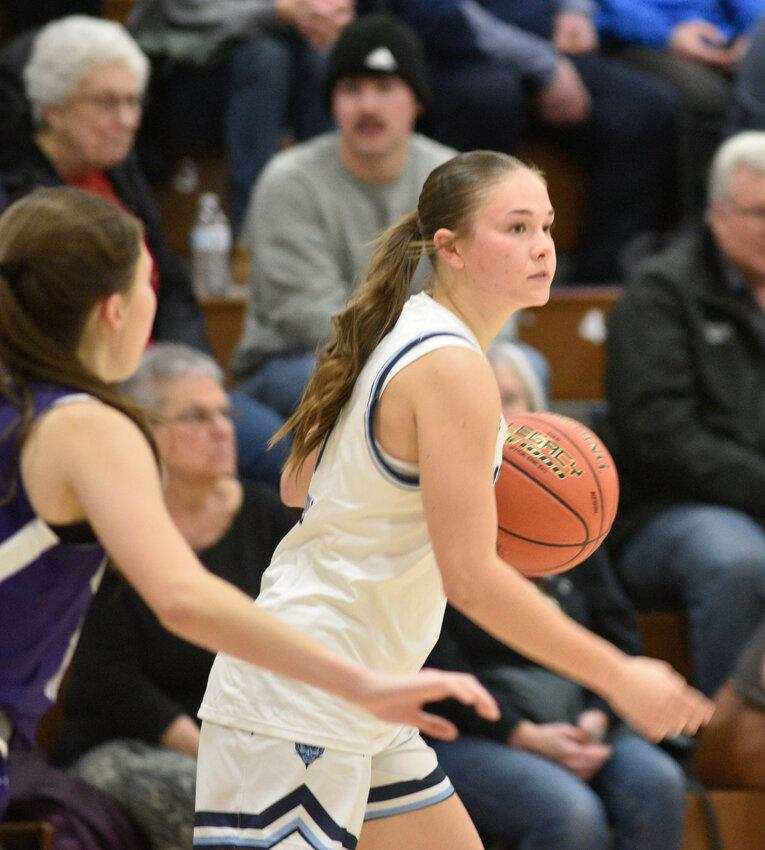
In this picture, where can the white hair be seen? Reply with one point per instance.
(505, 353)
(744, 150)
(163, 363)
(67, 49)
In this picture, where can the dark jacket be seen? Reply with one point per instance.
(23, 167)
(130, 677)
(589, 593)
(685, 384)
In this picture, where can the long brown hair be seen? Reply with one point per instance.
(449, 198)
(61, 252)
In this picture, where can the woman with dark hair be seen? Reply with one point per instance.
(394, 445)
(77, 477)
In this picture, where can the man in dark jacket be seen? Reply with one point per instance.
(686, 388)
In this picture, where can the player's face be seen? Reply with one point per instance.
(375, 114)
(738, 223)
(96, 127)
(510, 256)
(196, 439)
(138, 306)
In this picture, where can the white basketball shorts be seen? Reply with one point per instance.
(259, 792)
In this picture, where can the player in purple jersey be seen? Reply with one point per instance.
(77, 473)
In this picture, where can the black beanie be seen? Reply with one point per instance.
(378, 44)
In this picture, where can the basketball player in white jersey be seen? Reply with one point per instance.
(396, 443)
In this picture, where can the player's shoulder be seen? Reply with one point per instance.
(85, 422)
(455, 369)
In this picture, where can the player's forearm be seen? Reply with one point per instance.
(509, 607)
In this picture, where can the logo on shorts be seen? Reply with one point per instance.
(308, 753)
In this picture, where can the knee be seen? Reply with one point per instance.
(581, 824)
(260, 57)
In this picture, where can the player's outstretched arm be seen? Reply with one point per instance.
(456, 407)
(88, 461)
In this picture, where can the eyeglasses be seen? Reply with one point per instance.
(198, 417)
(111, 104)
(754, 214)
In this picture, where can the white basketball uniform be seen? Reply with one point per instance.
(359, 575)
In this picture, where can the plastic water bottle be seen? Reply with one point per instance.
(210, 248)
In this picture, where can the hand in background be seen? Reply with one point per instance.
(182, 735)
(566, 99)
(702, 42)
(568, 745)
(574, 33)
(318, 21)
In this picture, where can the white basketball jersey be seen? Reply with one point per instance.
(358, 572)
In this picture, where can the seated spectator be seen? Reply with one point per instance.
(504, 72)
(130, 704)
(70, 105)
(255, 65)
(74, 121)
(695, 46)
(747, 112)
(731, 751)
(558, 770)
(686, 389)
(319, 205)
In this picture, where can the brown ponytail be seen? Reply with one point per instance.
(371, 312)
(449, 197)
(61, 252)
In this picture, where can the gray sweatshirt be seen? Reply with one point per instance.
(309, 230)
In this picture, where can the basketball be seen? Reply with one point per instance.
(557, 493)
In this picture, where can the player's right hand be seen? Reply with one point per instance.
(400, 699)
(656, 701)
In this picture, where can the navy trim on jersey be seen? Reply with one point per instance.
(410, 482)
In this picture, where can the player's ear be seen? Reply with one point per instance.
(447, 250)
(112, 310)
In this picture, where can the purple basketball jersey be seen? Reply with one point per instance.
(45, 586)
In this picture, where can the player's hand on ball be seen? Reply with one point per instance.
(400, 699)
(657, 701)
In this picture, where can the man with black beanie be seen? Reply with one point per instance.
(318, 206)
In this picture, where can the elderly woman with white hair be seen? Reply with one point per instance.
(130, 704)
(71, 100)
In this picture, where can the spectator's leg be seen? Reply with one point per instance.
(705, 96)
(748, 109)
(255, 425)
(280, 381)
(523, 799)
(628, 144)
(309, 114)
(258, 104)
(643, 790)
(710, 561)
(477, 106)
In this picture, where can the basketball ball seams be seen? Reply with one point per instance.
(583, 433)
(549, 491)
(557, 496)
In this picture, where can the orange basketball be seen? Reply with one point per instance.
(557, 493)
